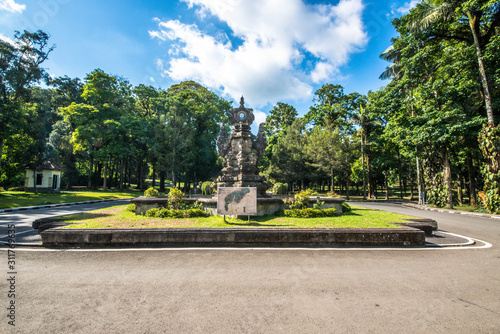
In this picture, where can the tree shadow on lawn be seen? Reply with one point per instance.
(257, 224)
(85, 216)
(260, 222)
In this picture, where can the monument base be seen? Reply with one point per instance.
(265, 205)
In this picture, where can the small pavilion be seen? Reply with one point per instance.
(47, 178)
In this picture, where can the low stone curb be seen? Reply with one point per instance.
(475, 214)
(60, 204)
(235, 237)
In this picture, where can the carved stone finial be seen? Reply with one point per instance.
(242, 102)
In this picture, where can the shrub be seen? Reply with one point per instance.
(318, 205)
(130, 207)
(346, 207)
(207, 188)
(175, 198)
(174, 213)
(279, 188)
(310, 213)
(301, 200)
(197, 205)
(151, 192)
(152, 212)
(489, 143)
(191, 213)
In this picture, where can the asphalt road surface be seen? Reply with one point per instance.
(441, 290)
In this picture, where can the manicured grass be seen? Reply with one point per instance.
(12, 199)
(118, 217)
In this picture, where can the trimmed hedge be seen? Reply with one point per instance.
(310, 213)
(175, 213)
(346, 207)
(151, 192)
(130, 207)
(206, 188)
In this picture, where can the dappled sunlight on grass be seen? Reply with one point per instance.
(12, 199)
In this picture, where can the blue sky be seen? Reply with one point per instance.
(267, 50)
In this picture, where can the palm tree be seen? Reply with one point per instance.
(365, 121)
(481, 18)
(393, 55)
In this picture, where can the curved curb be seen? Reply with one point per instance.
(466, 213)
(62, 204)
(255, 237)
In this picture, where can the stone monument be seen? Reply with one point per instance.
(241, 151)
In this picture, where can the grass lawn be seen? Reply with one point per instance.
(12, 199)
(118, 217)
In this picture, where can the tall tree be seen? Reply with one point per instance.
(473, 22)
(20, 68)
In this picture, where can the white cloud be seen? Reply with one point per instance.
(277, 35)
(11, 6)
(260, 117)
(6, 39)
(405, 8)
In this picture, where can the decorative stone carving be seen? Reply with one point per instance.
(241, 151)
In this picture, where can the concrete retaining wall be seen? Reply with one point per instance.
(288, 237)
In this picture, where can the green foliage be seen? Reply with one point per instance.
(310, 213)
(175, 198)
(346, 207)
(151, 192)
(197, 205)
(489, 142)
(279, 188)
(300, 201)
(318, 205)
(281, 117)
(130, 207)
(152, 212)
(438, 192)
(207, 188)
(176, 213)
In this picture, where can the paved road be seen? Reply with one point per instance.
(264, 290)
(24, 219)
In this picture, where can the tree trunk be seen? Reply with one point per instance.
(482, 70)
(363, 167)
(91, 162)
(162, 181)
(105, 179)
(472, 182)
(35, 190)
(371, 190)
(410, 177)
(129, 171)
(347, 185)
(386, 174)
(141, 174)
(400, 171)
(121, 174)
(460, 186)
(447, 180)
(331, 180)
(154, 175)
